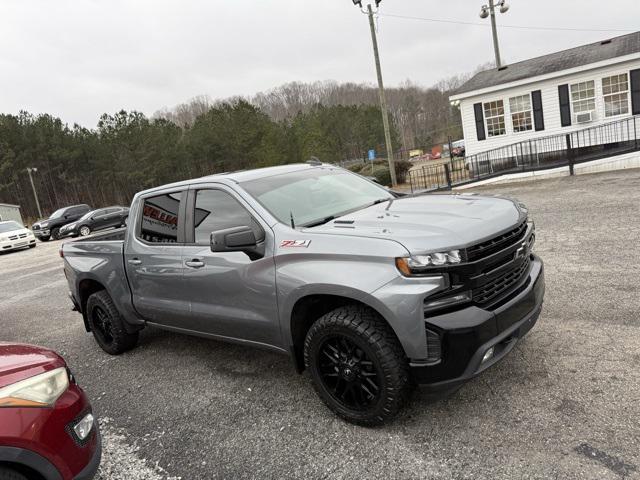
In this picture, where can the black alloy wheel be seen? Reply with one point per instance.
(102, 325)
(107, 325)
(348, 373)
(357, 365)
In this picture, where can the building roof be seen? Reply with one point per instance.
(554, 62)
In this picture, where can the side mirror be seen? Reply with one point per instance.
(237, 239)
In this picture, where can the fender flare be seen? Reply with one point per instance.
(31, 460)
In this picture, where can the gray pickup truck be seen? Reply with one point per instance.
(370, 291)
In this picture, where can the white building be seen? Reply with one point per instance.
(553, 94)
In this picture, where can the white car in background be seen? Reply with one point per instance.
(13, 235)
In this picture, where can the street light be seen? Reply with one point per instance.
(33, 187)
(487, 10)
(383, 100)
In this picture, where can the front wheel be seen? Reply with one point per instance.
(357, 365)
(10, 474)
(107, 325)
(44, 239)
(84, 231)
(55, 234)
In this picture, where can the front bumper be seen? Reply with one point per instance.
(45, 232)
(20, 243)
(466, 335)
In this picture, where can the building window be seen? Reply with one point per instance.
(521, 116)
(583, 97)
(494, 116)
(615, 91)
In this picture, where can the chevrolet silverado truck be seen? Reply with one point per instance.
(370, 291)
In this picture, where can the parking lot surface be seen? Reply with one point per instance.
(564, 404)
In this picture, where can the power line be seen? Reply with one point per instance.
(523, 27)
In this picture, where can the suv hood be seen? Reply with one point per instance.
(429, 222)
(20, 361)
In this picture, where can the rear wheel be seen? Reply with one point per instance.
(9, 474)
(84, 231)
(357, 365)
(107, 325)
(55, 234)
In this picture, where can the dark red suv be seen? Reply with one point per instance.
(47, 429)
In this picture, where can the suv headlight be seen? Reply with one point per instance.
(418, 264)
(39, 391)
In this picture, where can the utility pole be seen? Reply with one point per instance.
(496, 47)
(35, 194)
(383, 98)
(490, 10)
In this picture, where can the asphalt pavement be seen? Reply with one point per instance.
(564, 404)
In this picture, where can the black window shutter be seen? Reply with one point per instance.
(538, 115)
(565, 107)
(635, 91)
(477, 108)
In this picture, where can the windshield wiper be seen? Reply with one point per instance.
(320, 222)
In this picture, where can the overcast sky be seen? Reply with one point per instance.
(77, 59)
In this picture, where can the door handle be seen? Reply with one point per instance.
(195, 263)
(135, 261)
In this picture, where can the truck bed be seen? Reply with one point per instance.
(114, 235)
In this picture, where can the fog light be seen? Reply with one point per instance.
(487, 355)
(84, 426)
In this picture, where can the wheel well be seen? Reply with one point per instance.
(85, 290)
(306, 311)
(28, 472)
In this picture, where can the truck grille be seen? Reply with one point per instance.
(15, 237)
(501, 284)
(496, 244)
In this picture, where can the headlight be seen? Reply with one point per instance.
(39, 391)
(419, 264)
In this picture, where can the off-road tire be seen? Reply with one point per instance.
(55, 234)
(9, 474)
(374, 338)
(107, 325)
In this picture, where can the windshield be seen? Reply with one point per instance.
(10, 227)
(315, 195)
(57, 213)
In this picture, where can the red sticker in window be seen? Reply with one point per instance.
(295, 243)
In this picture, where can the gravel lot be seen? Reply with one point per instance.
(565, 404)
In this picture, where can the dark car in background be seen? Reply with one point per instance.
(47, 428)
(100, 219)
(50, 228)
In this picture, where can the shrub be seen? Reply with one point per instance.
(402, 167)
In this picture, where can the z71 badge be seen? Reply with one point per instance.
(295, 243)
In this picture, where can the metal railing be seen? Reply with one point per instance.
(600, 141)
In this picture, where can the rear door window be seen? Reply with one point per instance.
(160, 218)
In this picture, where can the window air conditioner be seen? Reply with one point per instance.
(585, 117)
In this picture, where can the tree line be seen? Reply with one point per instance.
(128, 151)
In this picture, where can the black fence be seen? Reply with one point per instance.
(591, 143)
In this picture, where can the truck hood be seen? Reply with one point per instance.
(429, 222)
(20, 361)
